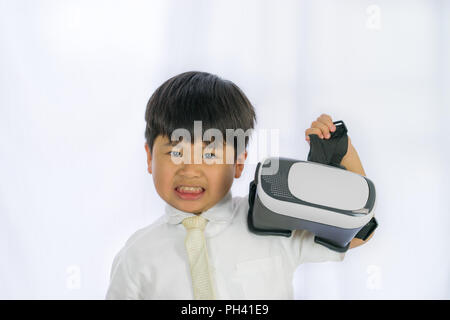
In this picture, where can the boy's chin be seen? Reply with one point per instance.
(191, 206)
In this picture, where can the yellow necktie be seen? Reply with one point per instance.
(198, 258)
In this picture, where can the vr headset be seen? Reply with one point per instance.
(317, 195)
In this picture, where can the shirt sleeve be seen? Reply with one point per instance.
(306, 250)
(122, 286)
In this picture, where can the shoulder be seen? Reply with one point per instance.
(145, 238)
(147, 231)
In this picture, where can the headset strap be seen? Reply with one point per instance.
(367, 230)
(329, 151)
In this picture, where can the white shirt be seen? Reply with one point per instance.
(154, 264)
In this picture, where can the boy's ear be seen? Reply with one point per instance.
(240, 164)
(149, 158)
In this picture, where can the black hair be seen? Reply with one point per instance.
(198, 96)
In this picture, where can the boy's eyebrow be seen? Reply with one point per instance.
(171, 143)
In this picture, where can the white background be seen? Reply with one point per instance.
(75, 77)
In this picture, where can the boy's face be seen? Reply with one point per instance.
(215, 178)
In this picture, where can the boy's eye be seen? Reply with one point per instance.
(175, 152)
(213, 155)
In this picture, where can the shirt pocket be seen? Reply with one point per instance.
(264, 278)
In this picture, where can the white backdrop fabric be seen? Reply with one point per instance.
(75, 77)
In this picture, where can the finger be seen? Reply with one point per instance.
(323, 127)
(326, 119)
(316, 131)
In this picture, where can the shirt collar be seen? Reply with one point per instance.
(221, 212)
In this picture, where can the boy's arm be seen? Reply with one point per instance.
(352, 163)
(351, 160)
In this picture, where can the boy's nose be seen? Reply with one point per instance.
(190, 171)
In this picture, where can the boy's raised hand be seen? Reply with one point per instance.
(322, 127)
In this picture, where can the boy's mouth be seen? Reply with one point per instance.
(189, 192)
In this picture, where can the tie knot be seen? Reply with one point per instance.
(195, 222)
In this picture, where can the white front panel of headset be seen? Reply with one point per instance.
(328, 186)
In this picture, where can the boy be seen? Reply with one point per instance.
(202, 248)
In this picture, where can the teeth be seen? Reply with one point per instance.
(190, 189)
